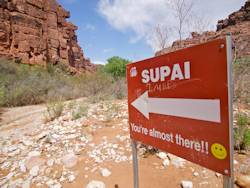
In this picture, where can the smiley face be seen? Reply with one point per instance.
(219, 151)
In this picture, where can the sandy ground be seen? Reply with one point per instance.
(18, 122)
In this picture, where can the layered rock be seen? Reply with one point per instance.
(37, 32)
(237, 24)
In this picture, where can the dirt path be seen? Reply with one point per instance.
(19, 119)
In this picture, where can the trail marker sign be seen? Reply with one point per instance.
(180, 102)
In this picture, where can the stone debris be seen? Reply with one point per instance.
(105, 172)
(162, 155)
(178, 162)
(47, 155)
(187, 184)
(71, 178)
(217, 175)
(196, 174)
(243, 181)
(166, 162)
(34, 154)
(50, 162)
(96, 184)
(34, 171)
(69, 160)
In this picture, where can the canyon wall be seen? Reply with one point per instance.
(37, 32)
(237, 24)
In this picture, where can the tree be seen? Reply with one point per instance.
(161, 36)
(182, 10)
(116, 66)
(200, 24)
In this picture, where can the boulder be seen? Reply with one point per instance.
(96, 184)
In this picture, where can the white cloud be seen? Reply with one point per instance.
(141, 16)
(97, 62)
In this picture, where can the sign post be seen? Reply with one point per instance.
(181, 102)
(228, 182)
(135, 164)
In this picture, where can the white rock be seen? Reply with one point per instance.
(27, 142)
(162, 155)
(50, 162)
(34, 171)
(71, 178)
(196, 174)
(34, 154)
(178, 162)
(12, 148)
(10, 175)
(217, 174)
(22, 166)
(105, 172)
(96, 184)
(166, 162)
(70, 160)
(26, 184)
(57, 185)
(187, 184)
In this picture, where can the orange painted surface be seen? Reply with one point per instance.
(204, 142)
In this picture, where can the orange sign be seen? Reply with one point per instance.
(179, 103)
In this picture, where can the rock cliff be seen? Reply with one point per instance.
(237, 24)
(37, 32)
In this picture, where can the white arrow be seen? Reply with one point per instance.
(199, 109)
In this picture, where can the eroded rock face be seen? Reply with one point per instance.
(37, 32)
(237, 24)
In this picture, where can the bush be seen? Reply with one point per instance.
(242, 132)
(80, 111)
(241, 69)
(54, 110)
(116, 66)
(22, 84)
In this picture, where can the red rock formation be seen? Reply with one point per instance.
(37, 32)
(237, 24)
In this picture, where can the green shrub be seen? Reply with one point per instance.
(2, 96)
(22, 84)
(54, 110)
(116, 66)
(80, 111)
(241, 69)
(242, 132)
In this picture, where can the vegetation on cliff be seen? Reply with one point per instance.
(23, 84)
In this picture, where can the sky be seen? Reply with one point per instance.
(125, 28)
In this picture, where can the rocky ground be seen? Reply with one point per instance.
(92, 151)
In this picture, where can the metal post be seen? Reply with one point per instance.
(228, 182)
(135, 164)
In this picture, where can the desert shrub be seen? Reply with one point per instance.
(2, 96)
(116, 66)
(120, 88)
(242, 132)
(54, 110)
(22, 84)
(80, 111)
(241, 69)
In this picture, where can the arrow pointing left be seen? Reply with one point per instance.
(199, 109)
